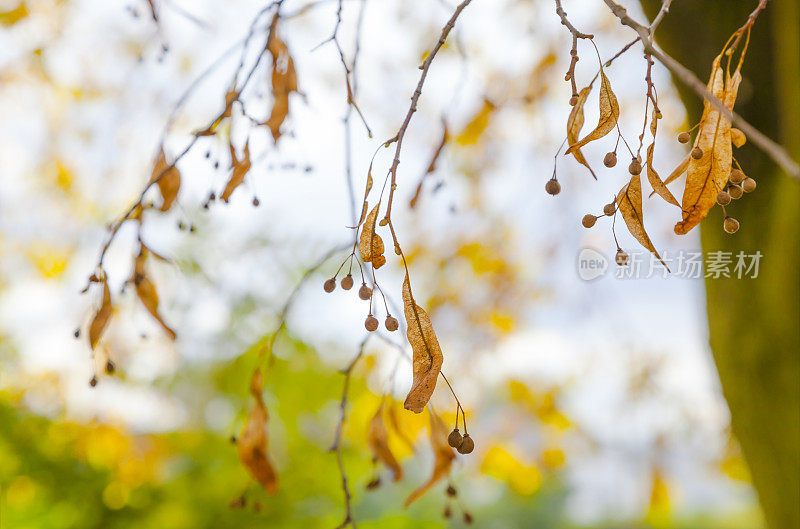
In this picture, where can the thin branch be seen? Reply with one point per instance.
(398, 138)
(336, 447)
(572, 52)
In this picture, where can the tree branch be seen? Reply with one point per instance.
(687, 77)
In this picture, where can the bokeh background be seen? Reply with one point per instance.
(592, 404)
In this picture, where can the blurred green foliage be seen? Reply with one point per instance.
(61, 474)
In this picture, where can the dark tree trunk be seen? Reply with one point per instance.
(754, 324)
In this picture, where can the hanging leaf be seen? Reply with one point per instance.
(168, 179)
(629, 204)
(371, 244)
(252, 443)
(609, 113)
(427, 357)
(574, 126)
(284, 82)
(146, 290)
(477, 125)
(655, 180)
(240, 169)
(442, 458)
(101, 317)
(707, 175)
(379, 444)
(674, 175)
(737, 137)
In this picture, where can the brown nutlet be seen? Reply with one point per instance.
(454, 439)
(467, 445)
(364, 292)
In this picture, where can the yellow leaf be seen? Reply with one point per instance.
(146, 290)
(378, 441)
(503, 321)
(609, 113)
(707, 175)
(102, 316)
(370, 243)
(168, 179)
(240, 169)
(737, 137)
(574, 126)
(284, 82)
(477, 125)
(12, 16)
(658, 512)
(427, 357)
(252, 443)
(629, 203)
(655, 181)
(49, 262)
(442, 458)
(501, 464)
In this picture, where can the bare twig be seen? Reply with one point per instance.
(336, 447)
(572, 52)
(398, 138)
(687, 77)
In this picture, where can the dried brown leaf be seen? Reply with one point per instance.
(655, 180)
(629, 204)
(168, 179)
(574, 126)
(678, 171)
(252, 443)
(101, 317)
(609, 113)
(371, 244)
(240, 169)
(146, 290)
(284, 82)
(378, 440)
(427, 358)
(443, 457)
(707, 176)
(737, 137)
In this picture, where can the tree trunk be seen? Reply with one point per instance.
(754, 323)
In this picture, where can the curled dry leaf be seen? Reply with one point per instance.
(574, 126)
(427, 358)
(609, 113)
(168, 179)
(101, 317)
(629, 204)
(674, 175)
(379, 444)
(442, 458)
(371, 244)
(365, 205)
(240, 169)
(252, 443)
(284, 82)
(658, 185)
(707, 175)
(737, 137)
(146, 290)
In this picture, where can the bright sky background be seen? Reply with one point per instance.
(588, 335)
